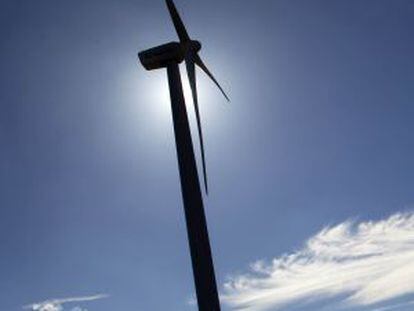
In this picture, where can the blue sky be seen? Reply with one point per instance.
(319, 131)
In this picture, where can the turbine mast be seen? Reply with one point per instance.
(202, 261)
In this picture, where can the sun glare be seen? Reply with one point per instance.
(159, 96)
(149, 104)
(160, 91)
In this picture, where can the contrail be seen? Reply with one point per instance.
(56, 304)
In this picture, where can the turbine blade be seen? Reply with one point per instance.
(189, 62)
(200, 63)
(178, 23)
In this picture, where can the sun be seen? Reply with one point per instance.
(161, 93)
(158, 95)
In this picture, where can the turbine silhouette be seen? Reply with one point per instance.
(169, 56)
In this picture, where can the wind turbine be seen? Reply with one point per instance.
(169, 56)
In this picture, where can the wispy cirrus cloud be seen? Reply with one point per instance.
(57, 304)
(362, 264)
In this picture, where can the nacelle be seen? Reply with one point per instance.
(161, 56)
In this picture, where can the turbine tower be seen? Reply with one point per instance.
(169, 56)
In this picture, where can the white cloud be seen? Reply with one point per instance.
(57, 304)
(367, 263)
